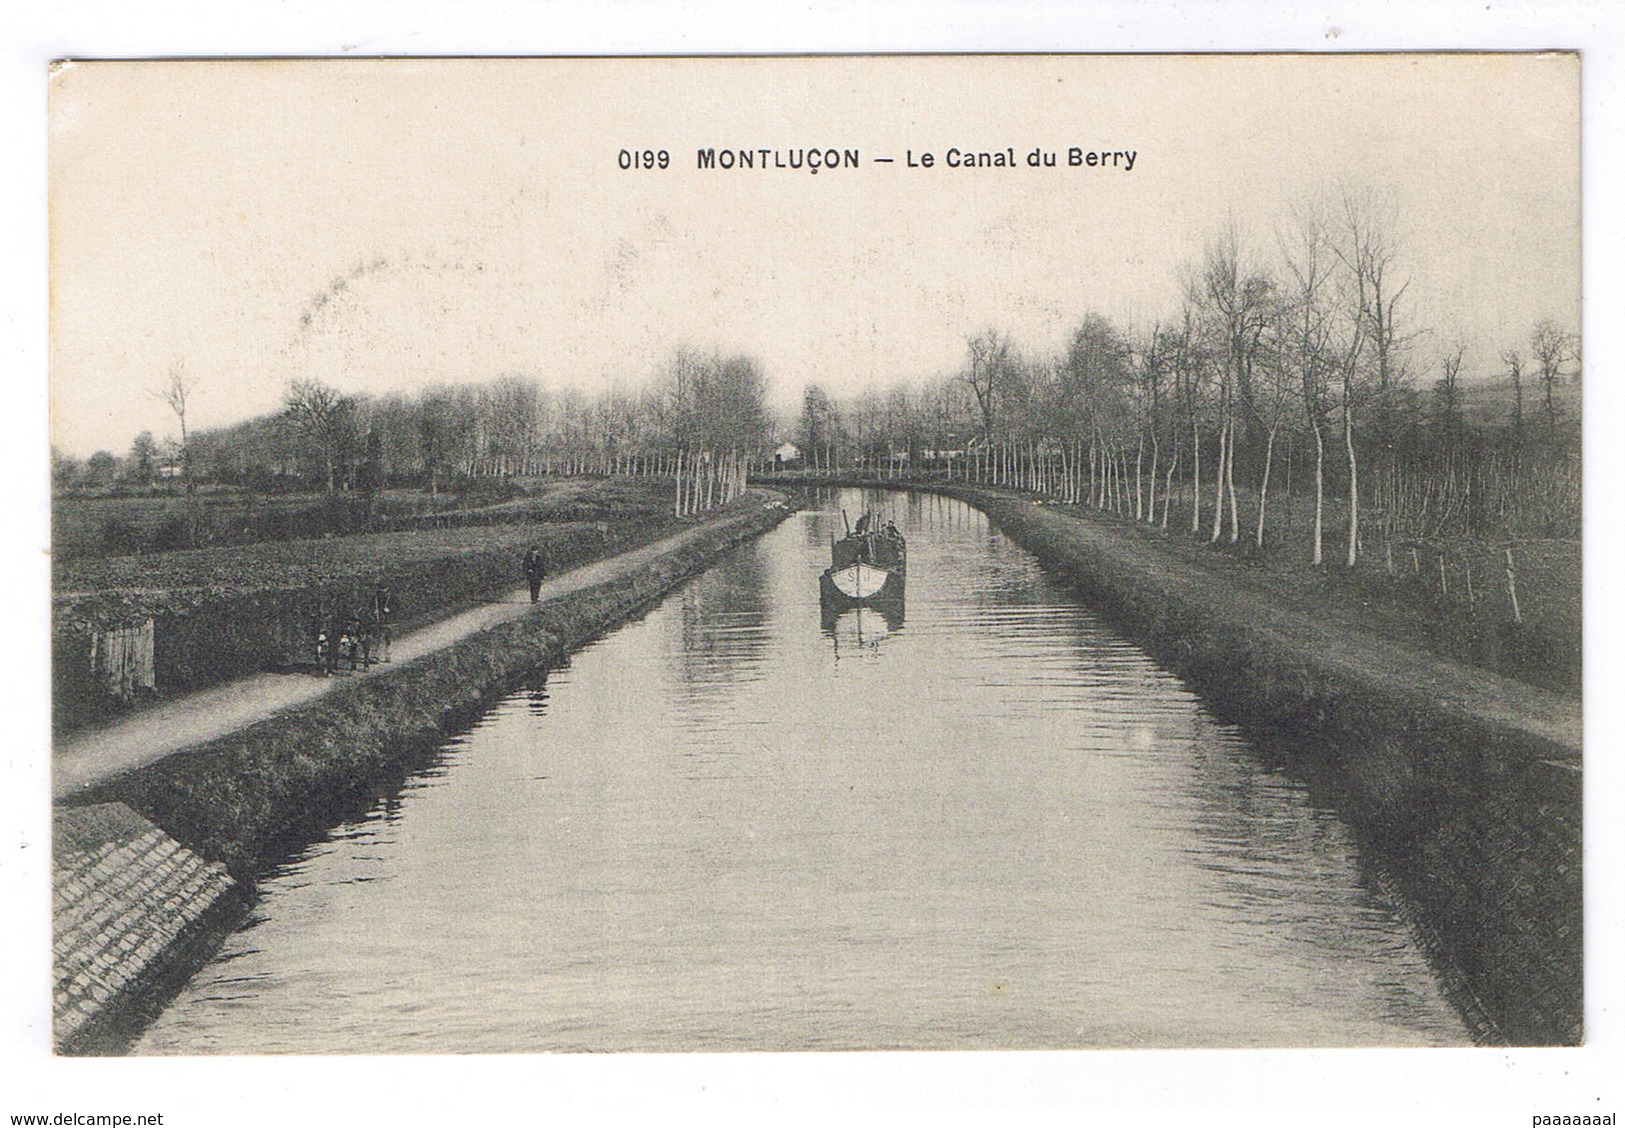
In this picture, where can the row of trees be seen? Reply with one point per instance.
(1308, 349)
(703, 409)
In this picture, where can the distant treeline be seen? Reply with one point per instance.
(707, 404)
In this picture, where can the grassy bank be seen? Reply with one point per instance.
(247, 799)
(1448, 594)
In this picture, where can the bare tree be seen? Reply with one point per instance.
(1552, 349)
(1190, 365)
(1447, 396)
(508, 409)
(1366, 250)
(1182, 367)
(176, 391)
(444, 433)
(1272, 400)
(1309, 321)
(1154, 362)
(1513, 360)
(989, 372)
(736, 405)
(819, 427)
(1348, 369)
(1238, 302)
(322, 414)
(1090, 394)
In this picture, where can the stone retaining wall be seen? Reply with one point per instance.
(128, 903)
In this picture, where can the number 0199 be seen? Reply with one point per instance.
(644, 158)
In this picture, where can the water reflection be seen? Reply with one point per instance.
(862, 627)
(537, 696)
(1004, 827)
(721, 626)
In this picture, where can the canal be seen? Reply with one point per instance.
(735, 825)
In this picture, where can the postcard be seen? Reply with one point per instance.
(776, 554)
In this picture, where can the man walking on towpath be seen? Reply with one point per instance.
(535, 569)
(382, 614)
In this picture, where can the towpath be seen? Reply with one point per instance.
(1328, 635)
(86, 759)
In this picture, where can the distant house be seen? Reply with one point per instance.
(786, 454)
(953, 447)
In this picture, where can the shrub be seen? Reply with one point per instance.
(120, 537)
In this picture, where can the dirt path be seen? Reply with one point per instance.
(87, 759)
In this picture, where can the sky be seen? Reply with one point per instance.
(385, 225)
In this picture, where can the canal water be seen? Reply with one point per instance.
(736, 825)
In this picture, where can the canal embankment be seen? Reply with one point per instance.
(132, 910)
(1465, 786)
(232, 803)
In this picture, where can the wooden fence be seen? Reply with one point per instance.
(121, 660)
